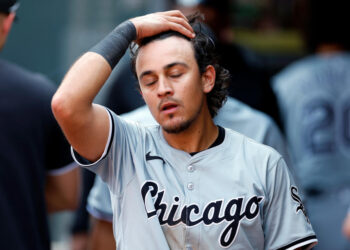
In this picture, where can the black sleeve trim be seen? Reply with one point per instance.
(112, 133)
(313, 237)
(81, 159)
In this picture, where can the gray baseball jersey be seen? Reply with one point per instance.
(234, 115)
(236, 195)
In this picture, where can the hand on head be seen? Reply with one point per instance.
(155, 23)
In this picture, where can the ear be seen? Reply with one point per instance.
(7, 23)
(208, 78)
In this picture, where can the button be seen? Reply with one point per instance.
(190, 186)
(188, 247)
(191, 168)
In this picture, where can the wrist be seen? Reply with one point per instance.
(126, 29)
(114, 45)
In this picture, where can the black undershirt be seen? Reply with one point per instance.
(218, 141)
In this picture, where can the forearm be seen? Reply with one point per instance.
(62, 191)
(89, 73)
(83, 122)
(83, 81)
(102, 235)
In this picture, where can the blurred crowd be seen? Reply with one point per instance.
(295, 100)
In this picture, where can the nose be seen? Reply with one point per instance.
(165, 88)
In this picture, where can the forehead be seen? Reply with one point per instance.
(159, 53)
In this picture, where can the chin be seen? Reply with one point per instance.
(177, 128)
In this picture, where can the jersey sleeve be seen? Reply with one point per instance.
(286, 224)
(99, 201)
(115, 166)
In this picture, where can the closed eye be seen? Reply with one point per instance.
(176, 75)
(148, 80)
(150, 83)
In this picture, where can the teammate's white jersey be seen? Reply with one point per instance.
(233, 114)
(236, 195)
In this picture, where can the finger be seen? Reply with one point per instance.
(181, 29)
(175, 13)
(181, 22)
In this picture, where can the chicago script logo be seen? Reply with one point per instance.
(213, 213)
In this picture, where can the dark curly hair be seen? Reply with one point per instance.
(205, 54)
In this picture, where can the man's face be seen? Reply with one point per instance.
(171, 83)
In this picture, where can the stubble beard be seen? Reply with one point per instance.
(183, 125)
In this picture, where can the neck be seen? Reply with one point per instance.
(199, 136)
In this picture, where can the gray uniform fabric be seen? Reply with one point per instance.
(164, 198)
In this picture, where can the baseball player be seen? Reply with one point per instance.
(185, 183)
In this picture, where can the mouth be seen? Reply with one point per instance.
(168, 108)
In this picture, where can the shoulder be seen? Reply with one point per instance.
(252, 148)
(305, 76)
(241, 112)
(255, 158)
(294, 72)
(19, 77)
(252, 151)
(28, 93)
(243, 119)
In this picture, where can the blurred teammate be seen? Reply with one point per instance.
(313, 95)
(34, 155)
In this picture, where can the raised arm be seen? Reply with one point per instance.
(86, 125)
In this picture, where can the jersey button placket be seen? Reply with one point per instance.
(190, 169)
(190, 187)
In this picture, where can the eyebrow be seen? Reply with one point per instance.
(166, 67)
